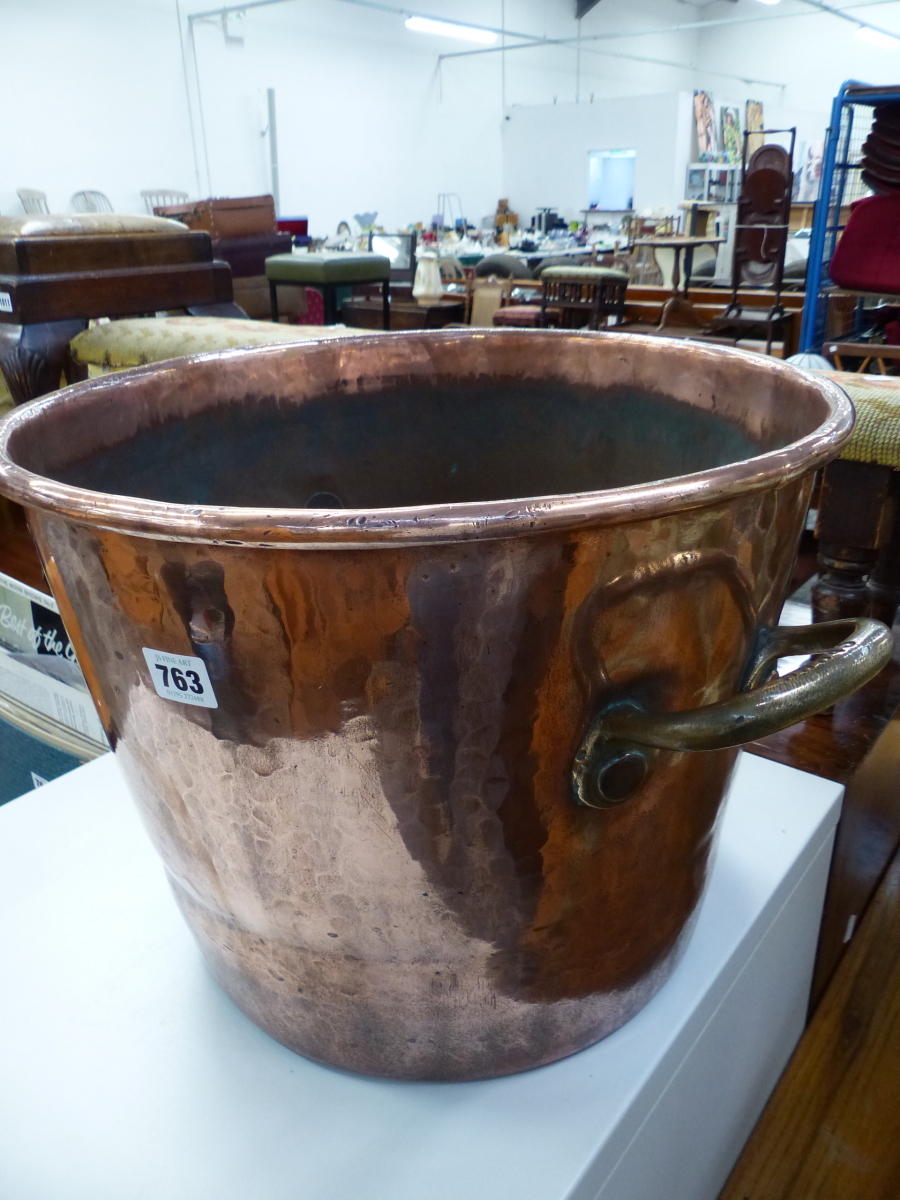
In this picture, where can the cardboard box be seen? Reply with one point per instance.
(48, 723)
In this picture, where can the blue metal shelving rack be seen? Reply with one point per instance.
(852, 113)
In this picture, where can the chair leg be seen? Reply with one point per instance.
(329, 297)
(32, 357)
(884, 582)
(273, 297)
(854, 514)
(620, 304)
(386, 305)
(598, 308)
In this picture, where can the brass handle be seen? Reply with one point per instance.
(616, 754)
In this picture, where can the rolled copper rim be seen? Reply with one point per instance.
(373, 527)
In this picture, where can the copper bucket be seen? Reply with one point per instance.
(425, 656)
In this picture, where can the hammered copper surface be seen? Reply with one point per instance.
(373, 836)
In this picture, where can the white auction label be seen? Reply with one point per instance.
(180, 677)
(5, 302)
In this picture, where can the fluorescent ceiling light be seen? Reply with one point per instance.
(466, 33)
(876, 38)
(770, 1)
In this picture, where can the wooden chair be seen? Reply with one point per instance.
(485, 297)
(761, 234)
(157, 197)
(643, 264)
(451, 269)
(597, 292)
(33, 201)
(91, 202)
(884, 354)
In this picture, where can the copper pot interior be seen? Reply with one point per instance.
(436, 437)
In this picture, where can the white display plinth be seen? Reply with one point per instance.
(127, 1074)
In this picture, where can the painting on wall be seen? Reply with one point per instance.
(753, 122)
(730, 126)
(810, 172)
(799, 159)
(705, 120)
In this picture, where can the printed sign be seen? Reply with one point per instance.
(180, 677)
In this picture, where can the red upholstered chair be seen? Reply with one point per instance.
(867, 256)
(522, 316)
(315, 308)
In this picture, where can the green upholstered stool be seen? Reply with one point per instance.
(600, 291)
(859, 507)
(118, 345)
(327, 272)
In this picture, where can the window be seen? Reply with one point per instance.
(611, 180)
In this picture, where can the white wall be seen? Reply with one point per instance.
(810, 53)
(367, 119)
(94, 97)
(546, 147)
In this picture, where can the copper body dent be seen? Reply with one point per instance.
(373, 835)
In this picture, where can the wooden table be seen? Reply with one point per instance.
(678, 310)
(405, 314)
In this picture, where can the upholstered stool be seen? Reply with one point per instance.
(117, 345)
(599, 291)
(859, 507)
(520, 316)
(328, 272)
(57, 271)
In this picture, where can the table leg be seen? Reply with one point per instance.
(678, 310)
(854, 515)
(32, 357)
(884, 581)
(329, 298)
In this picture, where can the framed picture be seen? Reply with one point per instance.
(705, 121)
(810, 171)
(730, 133)
(753, 122)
